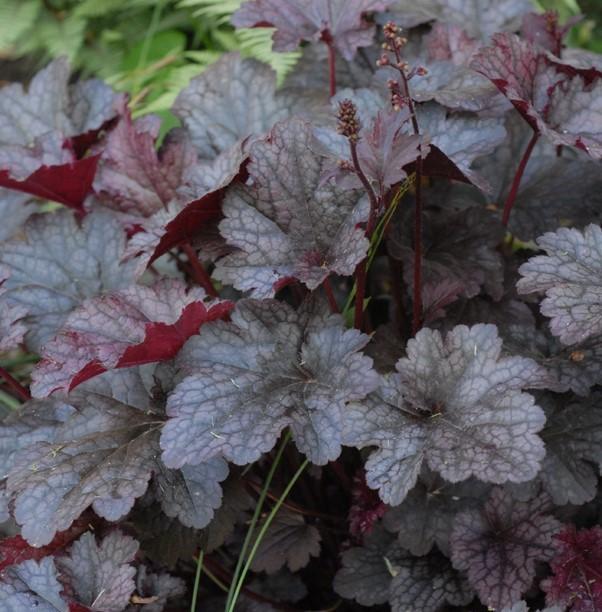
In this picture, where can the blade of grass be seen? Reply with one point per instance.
(256, 515)
(197, 580)
(261, 534)
(378, 234)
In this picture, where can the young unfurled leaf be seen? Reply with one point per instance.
(41, 130)
(498, 545)
(381, 571)
(129, 327)
(338, 22)
(231, 100)
(289, 541)
(573, 439)
(100, 575)
(286, 224)
(576, 581)
(571, 276)
(558, 101)
(59, 264)
(132, 176)
(270, 368)
(103, 454)
(455, 404)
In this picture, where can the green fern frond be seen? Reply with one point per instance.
(252, 42)
(16, 17)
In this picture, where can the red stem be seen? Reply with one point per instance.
(17, 388)
(332, 68)
(417, 290)
(200, 274)
(330, 295)
(517, 179)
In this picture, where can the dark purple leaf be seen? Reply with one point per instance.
(456, 404)
(458, 247)
(426, 515)
(499, 545)
(117, 330)
(289, 541)
(382, 571)
(573, 439)
(270, 368)
(153, 591)
(133, 177)
(341, 22)
(571, 276)
(286, 224)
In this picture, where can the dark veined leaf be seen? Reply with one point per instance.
(545, 30)
(130, 327)
(340, 22)
(499, 545)
(103, 455)
(287, 224)
(270, 368)
(456, 404)
(59, 264)
(576, 581)
(44, 129)
(571, 276)
(381, 571)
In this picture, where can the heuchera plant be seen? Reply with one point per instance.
(333, 345)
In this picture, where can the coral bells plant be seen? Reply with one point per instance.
(330, 345)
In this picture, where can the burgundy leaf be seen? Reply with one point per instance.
(499, 545)
(577, 570)
(544, 29)
(117, 330)
(44, 130)
(557, 100)
(339, 21)
(132, 176)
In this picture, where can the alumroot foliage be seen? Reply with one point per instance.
(393, 263)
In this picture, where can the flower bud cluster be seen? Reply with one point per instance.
(349, 123)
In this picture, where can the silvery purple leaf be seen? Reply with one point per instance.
(456, 404)
(571, 276)
(269, 368)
